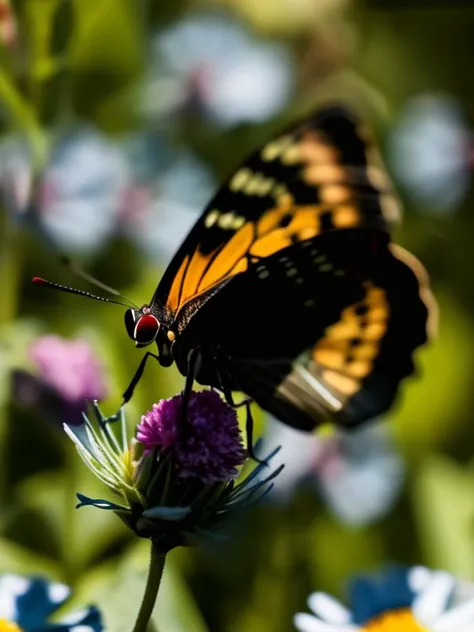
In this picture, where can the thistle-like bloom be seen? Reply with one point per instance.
(399, 600)
(211, 429)
(67, 373)
(177, 478)
(26, 604)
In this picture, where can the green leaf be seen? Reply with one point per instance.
(23, 116)
(443, 499)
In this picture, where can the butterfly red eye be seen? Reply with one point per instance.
(146, 329)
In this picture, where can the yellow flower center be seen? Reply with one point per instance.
(395, 621)
(6, 626)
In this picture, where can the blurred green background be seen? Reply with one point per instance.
(117, 120)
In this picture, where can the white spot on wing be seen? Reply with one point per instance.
(319, 388)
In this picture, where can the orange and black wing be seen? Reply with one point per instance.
(352, 372)
(324, 328)
(321, 175)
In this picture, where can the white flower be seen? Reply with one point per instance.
(427, 607)
(429, 152)
(361, 475)
(215, 63)
(358, 473)
(81, 191)
(26, 603)
(296, 452)
(78, 196)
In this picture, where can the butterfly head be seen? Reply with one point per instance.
(142, 326)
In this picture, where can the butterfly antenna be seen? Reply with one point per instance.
(74, 267)
(72, 290)
(77, 270)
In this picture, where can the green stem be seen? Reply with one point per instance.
(155, 573)
(24, 116)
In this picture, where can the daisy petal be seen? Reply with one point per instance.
(432, 602)
(418, 578)
(459, 619)
(307, 623)
(328, 608)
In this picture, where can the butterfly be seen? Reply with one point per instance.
(288, 287)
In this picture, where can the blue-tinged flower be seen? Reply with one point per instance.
(76, 200)
(213, 62)
(176, 479)
(398, 600)
(26, 603)
(359, 474)
(81, 190)
(165, 193)
(430, 151)
(67, 374)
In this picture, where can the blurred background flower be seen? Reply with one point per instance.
(167, 190)
(431, 152)
(359, 473)
(67, 374)
(8, 26)
(30, 601)
(76, 201)
(415, 598)
(215, 65)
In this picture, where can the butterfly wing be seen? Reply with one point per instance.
(352, 372)
(339, 342)
(321, 175)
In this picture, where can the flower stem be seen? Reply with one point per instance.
(155, 573)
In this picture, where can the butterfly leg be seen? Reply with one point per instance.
(247, 401)
(136, 378)
(249, 433)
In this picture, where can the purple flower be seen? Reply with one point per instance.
(208, 447)
(177, 485)
(70, 367)
(68, 372)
